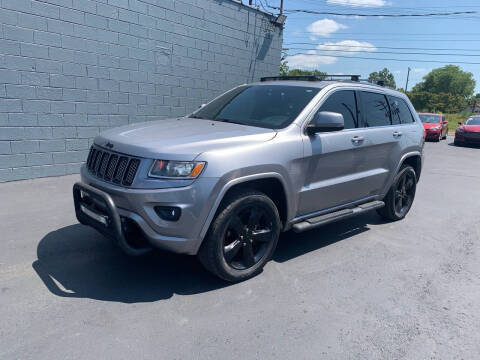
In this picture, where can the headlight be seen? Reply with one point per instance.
(176, 169)
(435, 128)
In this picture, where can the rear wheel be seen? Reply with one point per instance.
(400, 197)
(242, 237)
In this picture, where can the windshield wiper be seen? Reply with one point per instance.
(229, 121)
(197, 117)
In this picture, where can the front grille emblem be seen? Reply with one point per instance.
(109, 145)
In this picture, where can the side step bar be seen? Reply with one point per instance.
(335, 216)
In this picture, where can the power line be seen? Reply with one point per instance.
(376, 15)
(389, 59)
(384, 52)
(383, 47)
(383, 39)
(409, 34)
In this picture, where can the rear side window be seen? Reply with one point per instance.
(400, 112)
(376, 111)
(342, 102)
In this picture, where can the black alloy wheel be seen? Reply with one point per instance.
(404, 193)
(399, 198)
(247, 237)
(242, 237)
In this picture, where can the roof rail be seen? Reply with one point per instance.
(355, 78)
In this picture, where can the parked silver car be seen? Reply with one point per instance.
(262, 158)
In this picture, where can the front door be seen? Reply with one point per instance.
(331, 158)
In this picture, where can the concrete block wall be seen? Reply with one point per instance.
(71, 68)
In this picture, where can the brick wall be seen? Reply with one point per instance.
(71, 68)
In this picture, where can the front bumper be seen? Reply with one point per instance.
(467, 138)
(96, 209)
(137, 206)
(432, 135)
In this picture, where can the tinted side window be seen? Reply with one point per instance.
(342, 102)
(376, 111)
(400, 112)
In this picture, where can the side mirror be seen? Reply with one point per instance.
(326, 121)
(460, 123)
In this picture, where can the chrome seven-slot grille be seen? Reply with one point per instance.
(112, 167)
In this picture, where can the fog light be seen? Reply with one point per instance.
(168, 213)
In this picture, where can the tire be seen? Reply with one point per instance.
(457, 143)
(396, 209)
(438, 139)
(242, 237)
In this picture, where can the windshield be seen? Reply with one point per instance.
(267, 106)
(473, 121)
(430, 119)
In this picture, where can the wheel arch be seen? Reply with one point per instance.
(272, 184)
(414, 159)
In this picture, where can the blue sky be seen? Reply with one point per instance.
(312, 33)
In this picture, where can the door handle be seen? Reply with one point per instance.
(397, 134)
(357, 139)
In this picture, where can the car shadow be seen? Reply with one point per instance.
(292, 245)
(471, 146)
(75, 261)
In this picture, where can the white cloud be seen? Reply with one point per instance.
(346, 47)
(324, 27)
(365, 3)
(309, 60)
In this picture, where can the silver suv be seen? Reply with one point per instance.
(280, 154)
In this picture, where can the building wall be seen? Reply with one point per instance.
(71, 68)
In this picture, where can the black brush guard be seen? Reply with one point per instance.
(97, 209)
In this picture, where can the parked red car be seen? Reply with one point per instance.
(435, 125)
(468, 133)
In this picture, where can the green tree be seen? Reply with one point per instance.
(474, 101)
(284, 68)
(384, 75)
(301, 72)
(449, 79)
(286, 71)
(441, 102)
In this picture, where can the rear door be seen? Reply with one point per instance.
(383, 149)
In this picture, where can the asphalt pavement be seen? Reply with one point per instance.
(358, 289)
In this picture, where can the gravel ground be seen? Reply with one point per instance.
(359, 289)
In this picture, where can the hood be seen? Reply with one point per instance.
(431, 125)
(471, 128)
(180, 138)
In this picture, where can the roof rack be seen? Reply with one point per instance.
(326, 77)
(355, 78)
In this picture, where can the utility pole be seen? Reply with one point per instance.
(408, 75)
(281, 7)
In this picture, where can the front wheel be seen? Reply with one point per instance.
(400, 197)
(242, 237)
